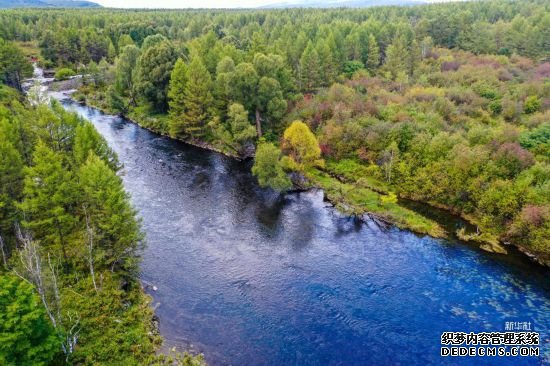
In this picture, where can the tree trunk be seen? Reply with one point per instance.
(258, 123)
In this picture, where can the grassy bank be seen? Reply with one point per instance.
(360, 200)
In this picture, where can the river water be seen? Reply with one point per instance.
(249, 278)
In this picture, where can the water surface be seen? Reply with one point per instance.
(252, 279)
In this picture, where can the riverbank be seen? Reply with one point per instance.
(364, 197)
(246, 278)
(357, 201)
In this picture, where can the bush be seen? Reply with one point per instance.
(531, 105)
(64, 74)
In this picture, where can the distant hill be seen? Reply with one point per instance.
(47, 4)
(341, 3)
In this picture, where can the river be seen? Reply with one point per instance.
(249, 278)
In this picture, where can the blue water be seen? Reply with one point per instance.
(251, 279)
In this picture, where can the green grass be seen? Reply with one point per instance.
(352, 171)
(356, 200)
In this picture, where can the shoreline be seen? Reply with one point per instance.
(486, 245)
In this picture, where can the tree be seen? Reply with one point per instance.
(13, 65)
(123, 41)
(389, 158)
(111, 221)
(267, 168)
(396, 57)
(26, 335)
(197, 99)
(261, 94)
(125, 72)
(326, 60)
(373, 54)
(221, 88)
(301, 145)
(176, 98)
(87, 140)
(11, 177)
(48, 199)
(153, 71)
(310, 69)
(238, 132)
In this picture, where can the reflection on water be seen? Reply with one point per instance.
(250, 278)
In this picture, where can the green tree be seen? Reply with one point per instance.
(396, 57)
(267, 168)
(176, 98)
(373, 58)
(237, 132)
(153, 71)
(310, 69)
(112, 226)
(13, 65)
(11, 177)
(87, 140)
(26, 335)
(197, 99)
(125, 73)
(48, 201)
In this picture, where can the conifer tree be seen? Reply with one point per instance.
(111, 220)
(373, 54)
(48, 201)
(26, 335)
(310, 68)
(176, 96)
(326, 61)
(197, 99)
(396, 57)
(88, 139)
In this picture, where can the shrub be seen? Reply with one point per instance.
(64, 74)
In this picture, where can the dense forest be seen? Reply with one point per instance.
(69, 241)
(446, 104)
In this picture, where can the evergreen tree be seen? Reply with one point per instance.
(48, 201)
(221, 88)
(87, 140)
(13, 65)
(11, 179)
(176, 96)
(26, 335)
(197, 99)
(112, 221)
(396, 57)
(241, 129)
(326, 60)
(310, 68)
(373, 58)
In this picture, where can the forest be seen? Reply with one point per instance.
(446, 104)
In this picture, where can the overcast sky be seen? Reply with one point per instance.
(184, 3)
(200, 3)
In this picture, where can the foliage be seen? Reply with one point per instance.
(26, 335)
(301, 145)
(267, 168)
(64, 74)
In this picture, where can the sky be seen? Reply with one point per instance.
(195, 3)
(183, 3)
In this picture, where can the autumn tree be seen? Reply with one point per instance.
(301, 145)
